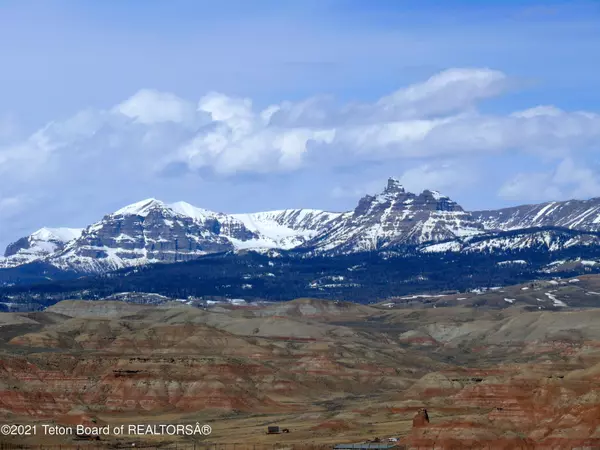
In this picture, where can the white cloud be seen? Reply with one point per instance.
(473, 133)
(538, 111)
(568, 180)
(228, 135)
(149, 107)
(434, 118)
(449, 91)
(235, 112)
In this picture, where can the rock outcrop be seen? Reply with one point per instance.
(396, 217)
(421, 419)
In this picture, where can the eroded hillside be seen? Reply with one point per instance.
(331, 371)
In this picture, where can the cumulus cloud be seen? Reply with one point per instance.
(433, 118)
(238, 139)
(567, 180)
(447, 92)
(150, 107)
(229, 135)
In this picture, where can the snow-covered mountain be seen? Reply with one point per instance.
(285, 229)
(43, 242)
(152, 231)
(396, 217)
(542, 239)
(573, 214)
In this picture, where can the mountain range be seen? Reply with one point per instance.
(151, 231)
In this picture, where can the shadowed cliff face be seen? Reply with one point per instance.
(458, 378)
(15, 247)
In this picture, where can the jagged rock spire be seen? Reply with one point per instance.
(394, 185)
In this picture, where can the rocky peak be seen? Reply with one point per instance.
(42, 242)
(394, 185)
(395, 198)
(434, 201)
(145, 232)
(397, 217)
(394, 195)
(364, 204)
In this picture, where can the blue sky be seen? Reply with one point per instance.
(99, 100)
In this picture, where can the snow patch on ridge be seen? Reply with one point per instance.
(141, 208)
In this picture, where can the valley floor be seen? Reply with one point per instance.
(330, 372)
